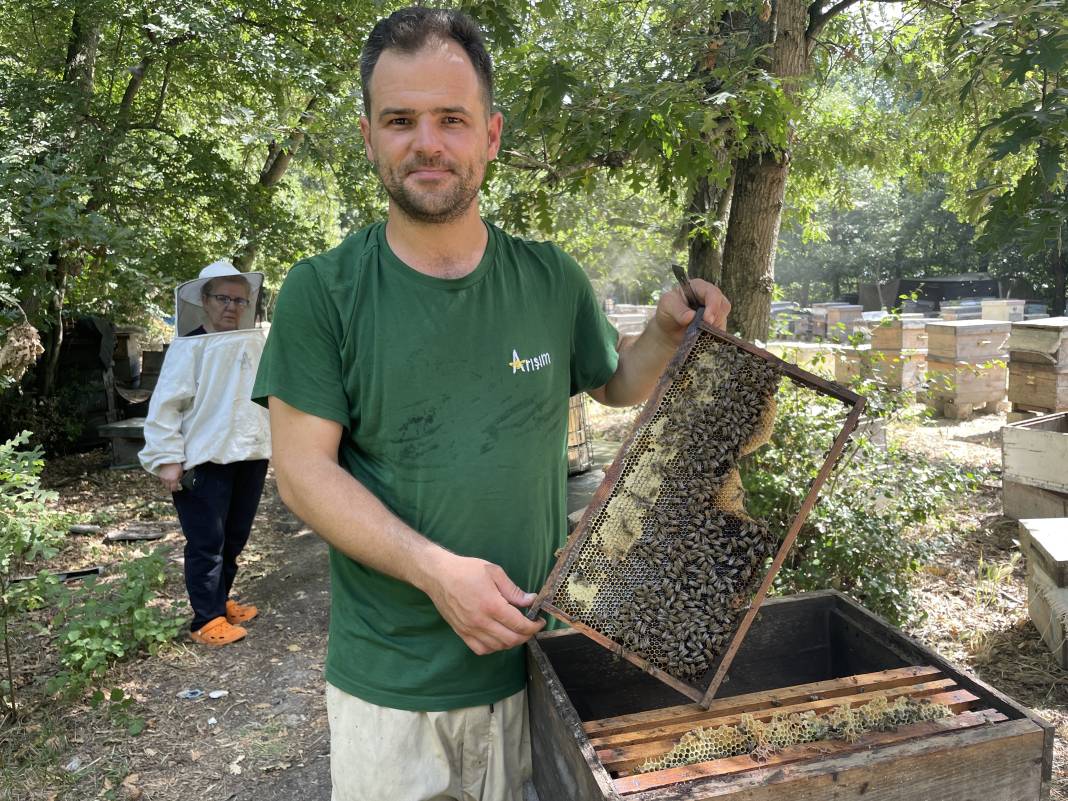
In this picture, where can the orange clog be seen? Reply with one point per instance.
(239, 613)
(218, 632)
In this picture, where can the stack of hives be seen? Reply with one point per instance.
(897, 356)
(1044, 543)
(1038, 366)
(966, 366)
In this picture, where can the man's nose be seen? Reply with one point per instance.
(427, 137)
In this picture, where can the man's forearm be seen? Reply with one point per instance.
(349, 517)
(642, 359)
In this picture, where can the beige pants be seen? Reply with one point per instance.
(471, 754)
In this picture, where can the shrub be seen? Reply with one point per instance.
(856, 538)
(29, 531)
(102, 621)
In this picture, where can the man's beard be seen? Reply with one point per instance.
(436, 207)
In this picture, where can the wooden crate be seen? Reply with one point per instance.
(1004, 309)
(1035, 453)
(968, 340)
(900, 334)
(592, 715)
(1041, 342)
(1020, 501)
(1038, 386)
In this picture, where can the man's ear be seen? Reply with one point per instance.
(365, 130)
(496, 125)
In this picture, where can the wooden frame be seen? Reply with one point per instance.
(579, 536)
(815, 642)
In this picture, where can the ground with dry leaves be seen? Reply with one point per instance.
(267, 739)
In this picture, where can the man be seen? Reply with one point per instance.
(208, 444)
(418, 378)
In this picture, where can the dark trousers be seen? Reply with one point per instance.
(216, 511)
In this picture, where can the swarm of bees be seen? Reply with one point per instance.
(761, 739)
(672, 559)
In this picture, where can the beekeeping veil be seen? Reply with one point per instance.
(189, 297)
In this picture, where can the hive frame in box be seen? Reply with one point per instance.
(572, 551)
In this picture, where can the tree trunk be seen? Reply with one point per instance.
(709, 206)
(752, 233)
(760, 185)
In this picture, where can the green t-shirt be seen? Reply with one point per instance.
(453, 394)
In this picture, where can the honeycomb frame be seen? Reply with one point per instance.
(602, 578)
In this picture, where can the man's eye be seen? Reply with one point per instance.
(453, 120)
(398, 121)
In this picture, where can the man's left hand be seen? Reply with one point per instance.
(673, 314)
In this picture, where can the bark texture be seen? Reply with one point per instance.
(760, 185)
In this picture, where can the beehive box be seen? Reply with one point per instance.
(593, 715)
(1003, 309)
(969, 311)
(959, 389)
(579, 451)
(897, 369)
(900, 334)
(968, 340)
(1040, 342)
(1037, 386)
(1044, 543)
(1035, 452)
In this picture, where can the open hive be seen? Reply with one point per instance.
(823, 700)
(667, 568)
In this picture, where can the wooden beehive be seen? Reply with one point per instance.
(1040, 342)
(900, 334)
(592, 716)
(1003, 309)
(968, 340)
(896, 369)
(1037, 387)
(1034, 463)
(579, 450)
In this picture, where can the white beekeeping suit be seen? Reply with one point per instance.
(201, 409)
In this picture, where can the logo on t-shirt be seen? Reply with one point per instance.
(521, 365)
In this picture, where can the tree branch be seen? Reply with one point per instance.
(817, 19)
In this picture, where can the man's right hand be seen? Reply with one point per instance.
(481, 603)
(171, 476)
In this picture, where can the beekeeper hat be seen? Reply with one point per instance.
(189, 302)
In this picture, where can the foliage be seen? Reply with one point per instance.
(55, 421)
(29, 531)
(103, 621)
(857, 537)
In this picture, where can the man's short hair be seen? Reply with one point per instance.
(209, 285)
(410, 29)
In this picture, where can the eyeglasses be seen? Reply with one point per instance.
(226, 300)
